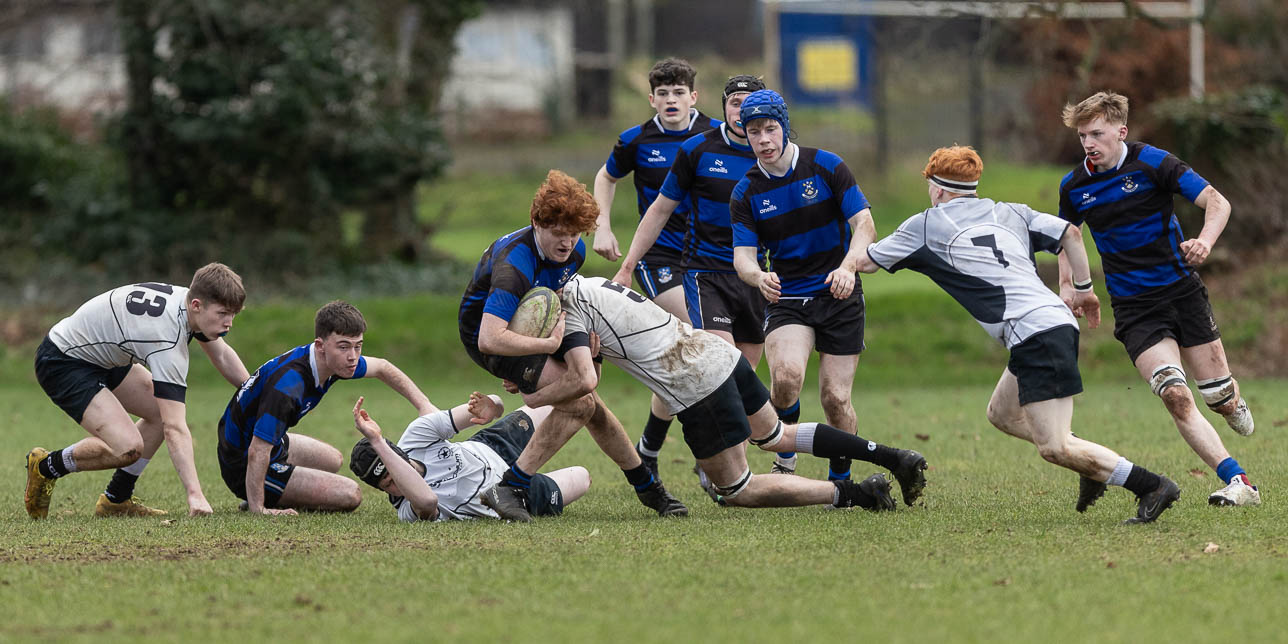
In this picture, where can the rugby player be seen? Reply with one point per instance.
(712, 389)
(546, 253)
(981, 253)
(706, 169)
(649, 149)
(803, 205)
(276, 471)
(126, 352)
(430, 478)
(1123, 191)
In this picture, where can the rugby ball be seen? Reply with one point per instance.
(537, 313)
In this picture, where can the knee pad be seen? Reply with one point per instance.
(1217, 391)
(1168, 375)
(737, 488)
(767, 443)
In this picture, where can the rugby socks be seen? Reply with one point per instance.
(515, 477)
(1228, 469)
(1138, 480)
(639, 477)
(121, 487)
(58, 464)
(655, 431)
(790, 415)
(829, 442)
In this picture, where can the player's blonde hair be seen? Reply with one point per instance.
(218, 284)
(958, 163)
(1110, 105)
(563, 203)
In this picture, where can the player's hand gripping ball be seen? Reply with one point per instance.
(537, 313)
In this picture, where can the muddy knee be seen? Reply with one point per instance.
(786, 381)
(835, 402)
(1169, 383)
(583, 408)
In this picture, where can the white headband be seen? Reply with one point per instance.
(955, 186)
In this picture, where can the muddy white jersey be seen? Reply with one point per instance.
(680, 364)
(457, 472)
(981, 252)
(144, 323)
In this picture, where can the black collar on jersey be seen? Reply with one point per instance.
(201, 337)
(955, 186)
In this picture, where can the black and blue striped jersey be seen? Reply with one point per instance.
(648, 150)
(801, 218)
(274, 399)
(1130, 213)
(704, 175)
(509, 268)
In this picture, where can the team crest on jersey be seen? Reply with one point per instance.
(1129, 186)
(444, 452)
(664, 274)
(810, 191)
(567, 272)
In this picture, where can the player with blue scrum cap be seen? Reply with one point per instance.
(429, 477)
(803, 206)
(648, 150)
(703, 176)
(981, 253)
(546, 253)
(123, 353)
(1123, 192)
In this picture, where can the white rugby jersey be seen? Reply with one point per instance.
(680, 364)
(145, 323)
(457, 472)
(981, 252)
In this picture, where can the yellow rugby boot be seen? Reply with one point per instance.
(39, 487)
(130, 508)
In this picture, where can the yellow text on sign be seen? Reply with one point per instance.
(827, 65)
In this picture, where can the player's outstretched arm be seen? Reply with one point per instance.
(1216, 214)
(645, 236)
(579, 379)
(178, 441)
(495, 338)
(226, 361)
(1084, 302)
(841, 281)
(386, 372)
(605, 188)
(257, 457)
(411, 485)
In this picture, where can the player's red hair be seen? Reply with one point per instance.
(1110, 105)
(956, 163)
(562, 202)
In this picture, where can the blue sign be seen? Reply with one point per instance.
(825, 59)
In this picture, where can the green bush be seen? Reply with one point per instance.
(1239, 142)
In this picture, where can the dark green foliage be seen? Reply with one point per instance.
(250, 128)
(1238, 141)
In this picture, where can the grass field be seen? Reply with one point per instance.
(995, 551)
